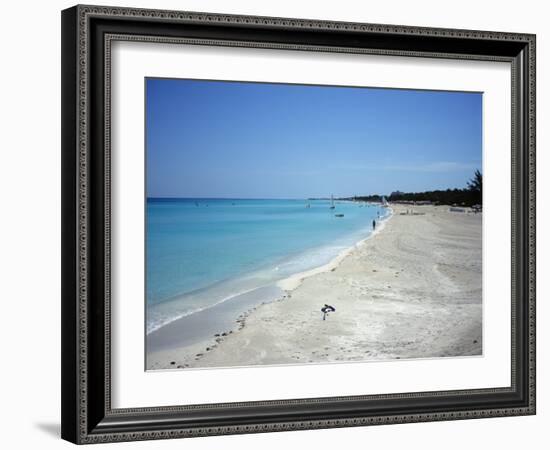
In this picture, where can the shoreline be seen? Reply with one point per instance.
(289, 329)
(289, 282)
(294, 281)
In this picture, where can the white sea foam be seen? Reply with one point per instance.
(158, 319)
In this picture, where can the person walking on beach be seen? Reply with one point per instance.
(374, 224)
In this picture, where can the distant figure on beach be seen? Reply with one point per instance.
(374, 224)
(327, 309)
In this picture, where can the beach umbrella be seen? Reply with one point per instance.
(327, 309)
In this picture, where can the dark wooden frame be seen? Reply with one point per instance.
(87, 32)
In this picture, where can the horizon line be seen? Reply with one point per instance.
(265, 198)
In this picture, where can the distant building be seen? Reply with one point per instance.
(396, 193)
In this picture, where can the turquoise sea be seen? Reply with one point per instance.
(203, 254)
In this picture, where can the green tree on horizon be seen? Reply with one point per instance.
(468, 196)
(476, 185)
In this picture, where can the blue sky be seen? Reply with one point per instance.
(262, 140)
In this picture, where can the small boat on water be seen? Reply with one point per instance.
(338, 215)
(332, 202)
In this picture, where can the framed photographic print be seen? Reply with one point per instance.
(278, 224)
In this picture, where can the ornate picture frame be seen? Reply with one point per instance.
(87, 413)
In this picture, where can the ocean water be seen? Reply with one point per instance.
(204, 253)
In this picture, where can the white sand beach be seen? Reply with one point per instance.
(413, 290)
